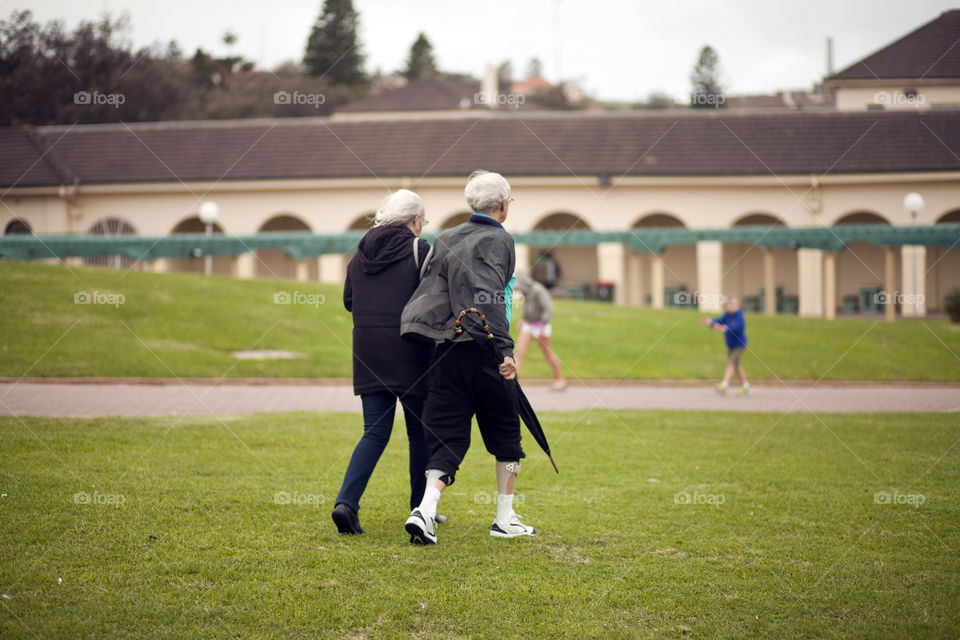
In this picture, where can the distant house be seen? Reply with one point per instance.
(441, 93)
(921, 70)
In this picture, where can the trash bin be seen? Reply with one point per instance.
(604, 291)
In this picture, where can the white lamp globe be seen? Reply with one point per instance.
(913, 202)
(209, 211)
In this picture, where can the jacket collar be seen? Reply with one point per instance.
(484, 219)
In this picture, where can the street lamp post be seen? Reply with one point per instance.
(209, 211)
(913, 203)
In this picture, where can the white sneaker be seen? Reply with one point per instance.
(511, 529)
(421, 528)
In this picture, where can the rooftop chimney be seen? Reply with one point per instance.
(829, 56)
(489, 88)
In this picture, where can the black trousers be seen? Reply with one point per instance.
(462, 384)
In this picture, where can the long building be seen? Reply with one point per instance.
(699, 169)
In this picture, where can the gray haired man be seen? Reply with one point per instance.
(471, 267)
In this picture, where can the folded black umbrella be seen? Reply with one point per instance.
(495, 355)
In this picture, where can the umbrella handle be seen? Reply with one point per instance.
(483, 320)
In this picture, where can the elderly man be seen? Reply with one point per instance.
(471, 266)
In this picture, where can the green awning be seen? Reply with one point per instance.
(298, 245)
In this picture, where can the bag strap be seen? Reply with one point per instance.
(416, 252)
(426, 262)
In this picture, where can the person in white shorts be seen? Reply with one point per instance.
(537, 311)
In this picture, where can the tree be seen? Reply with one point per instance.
(707, 91)
(421, 59)
(333, 50)
(534, 68)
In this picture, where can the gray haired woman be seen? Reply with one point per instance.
(381, 277)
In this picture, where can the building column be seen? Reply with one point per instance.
(302, 270)
(829, 285)
(160, 265)
(611, 263)
(523, 257)
(810, 282)
(656, 281)
(331, 268)
(769, 283)
(634, 279)
(244, 265)
(913, 303)
(710, 275)
(890, 283)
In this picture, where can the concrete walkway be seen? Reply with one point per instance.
(114, 398)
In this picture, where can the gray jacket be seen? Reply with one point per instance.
(471, 266)
(537, 305)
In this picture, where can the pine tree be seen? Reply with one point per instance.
(333, 50)
(421, 59)
(707, 91)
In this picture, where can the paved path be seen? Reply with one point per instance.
(77, 399)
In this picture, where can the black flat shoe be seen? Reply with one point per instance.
(346, 519)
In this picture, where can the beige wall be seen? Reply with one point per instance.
(893, 97)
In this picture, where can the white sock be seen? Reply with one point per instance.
(746, 385)
(504, 507)
(428, 506)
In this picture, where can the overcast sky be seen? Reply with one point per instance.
(615, 49)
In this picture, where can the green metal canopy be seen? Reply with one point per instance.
(298, 245)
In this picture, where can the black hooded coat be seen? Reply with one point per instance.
(381, 277)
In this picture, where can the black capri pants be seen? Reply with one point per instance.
(462, 384)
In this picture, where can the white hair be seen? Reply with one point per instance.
(486, 191)
(400, 207)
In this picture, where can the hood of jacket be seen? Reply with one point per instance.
(383, 246)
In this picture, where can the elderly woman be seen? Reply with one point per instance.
(380, 279)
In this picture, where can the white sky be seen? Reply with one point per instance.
(615, 49)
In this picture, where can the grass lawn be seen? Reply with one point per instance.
(661, 524)
(187, 325)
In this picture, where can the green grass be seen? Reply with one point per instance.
(198, 548)
(188, 326)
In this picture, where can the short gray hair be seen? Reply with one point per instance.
(399, 207)
(486, 191)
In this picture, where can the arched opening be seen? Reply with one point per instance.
(17, 225)
(860, 268)
(679, 264)
(743, 269)
(943, 267)
(110, 227)
(566, 268)
(222, 265)
(454, 220)
(273, 263)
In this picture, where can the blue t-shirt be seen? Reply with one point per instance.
(736, 334)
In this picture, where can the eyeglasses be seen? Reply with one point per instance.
(510, 199)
